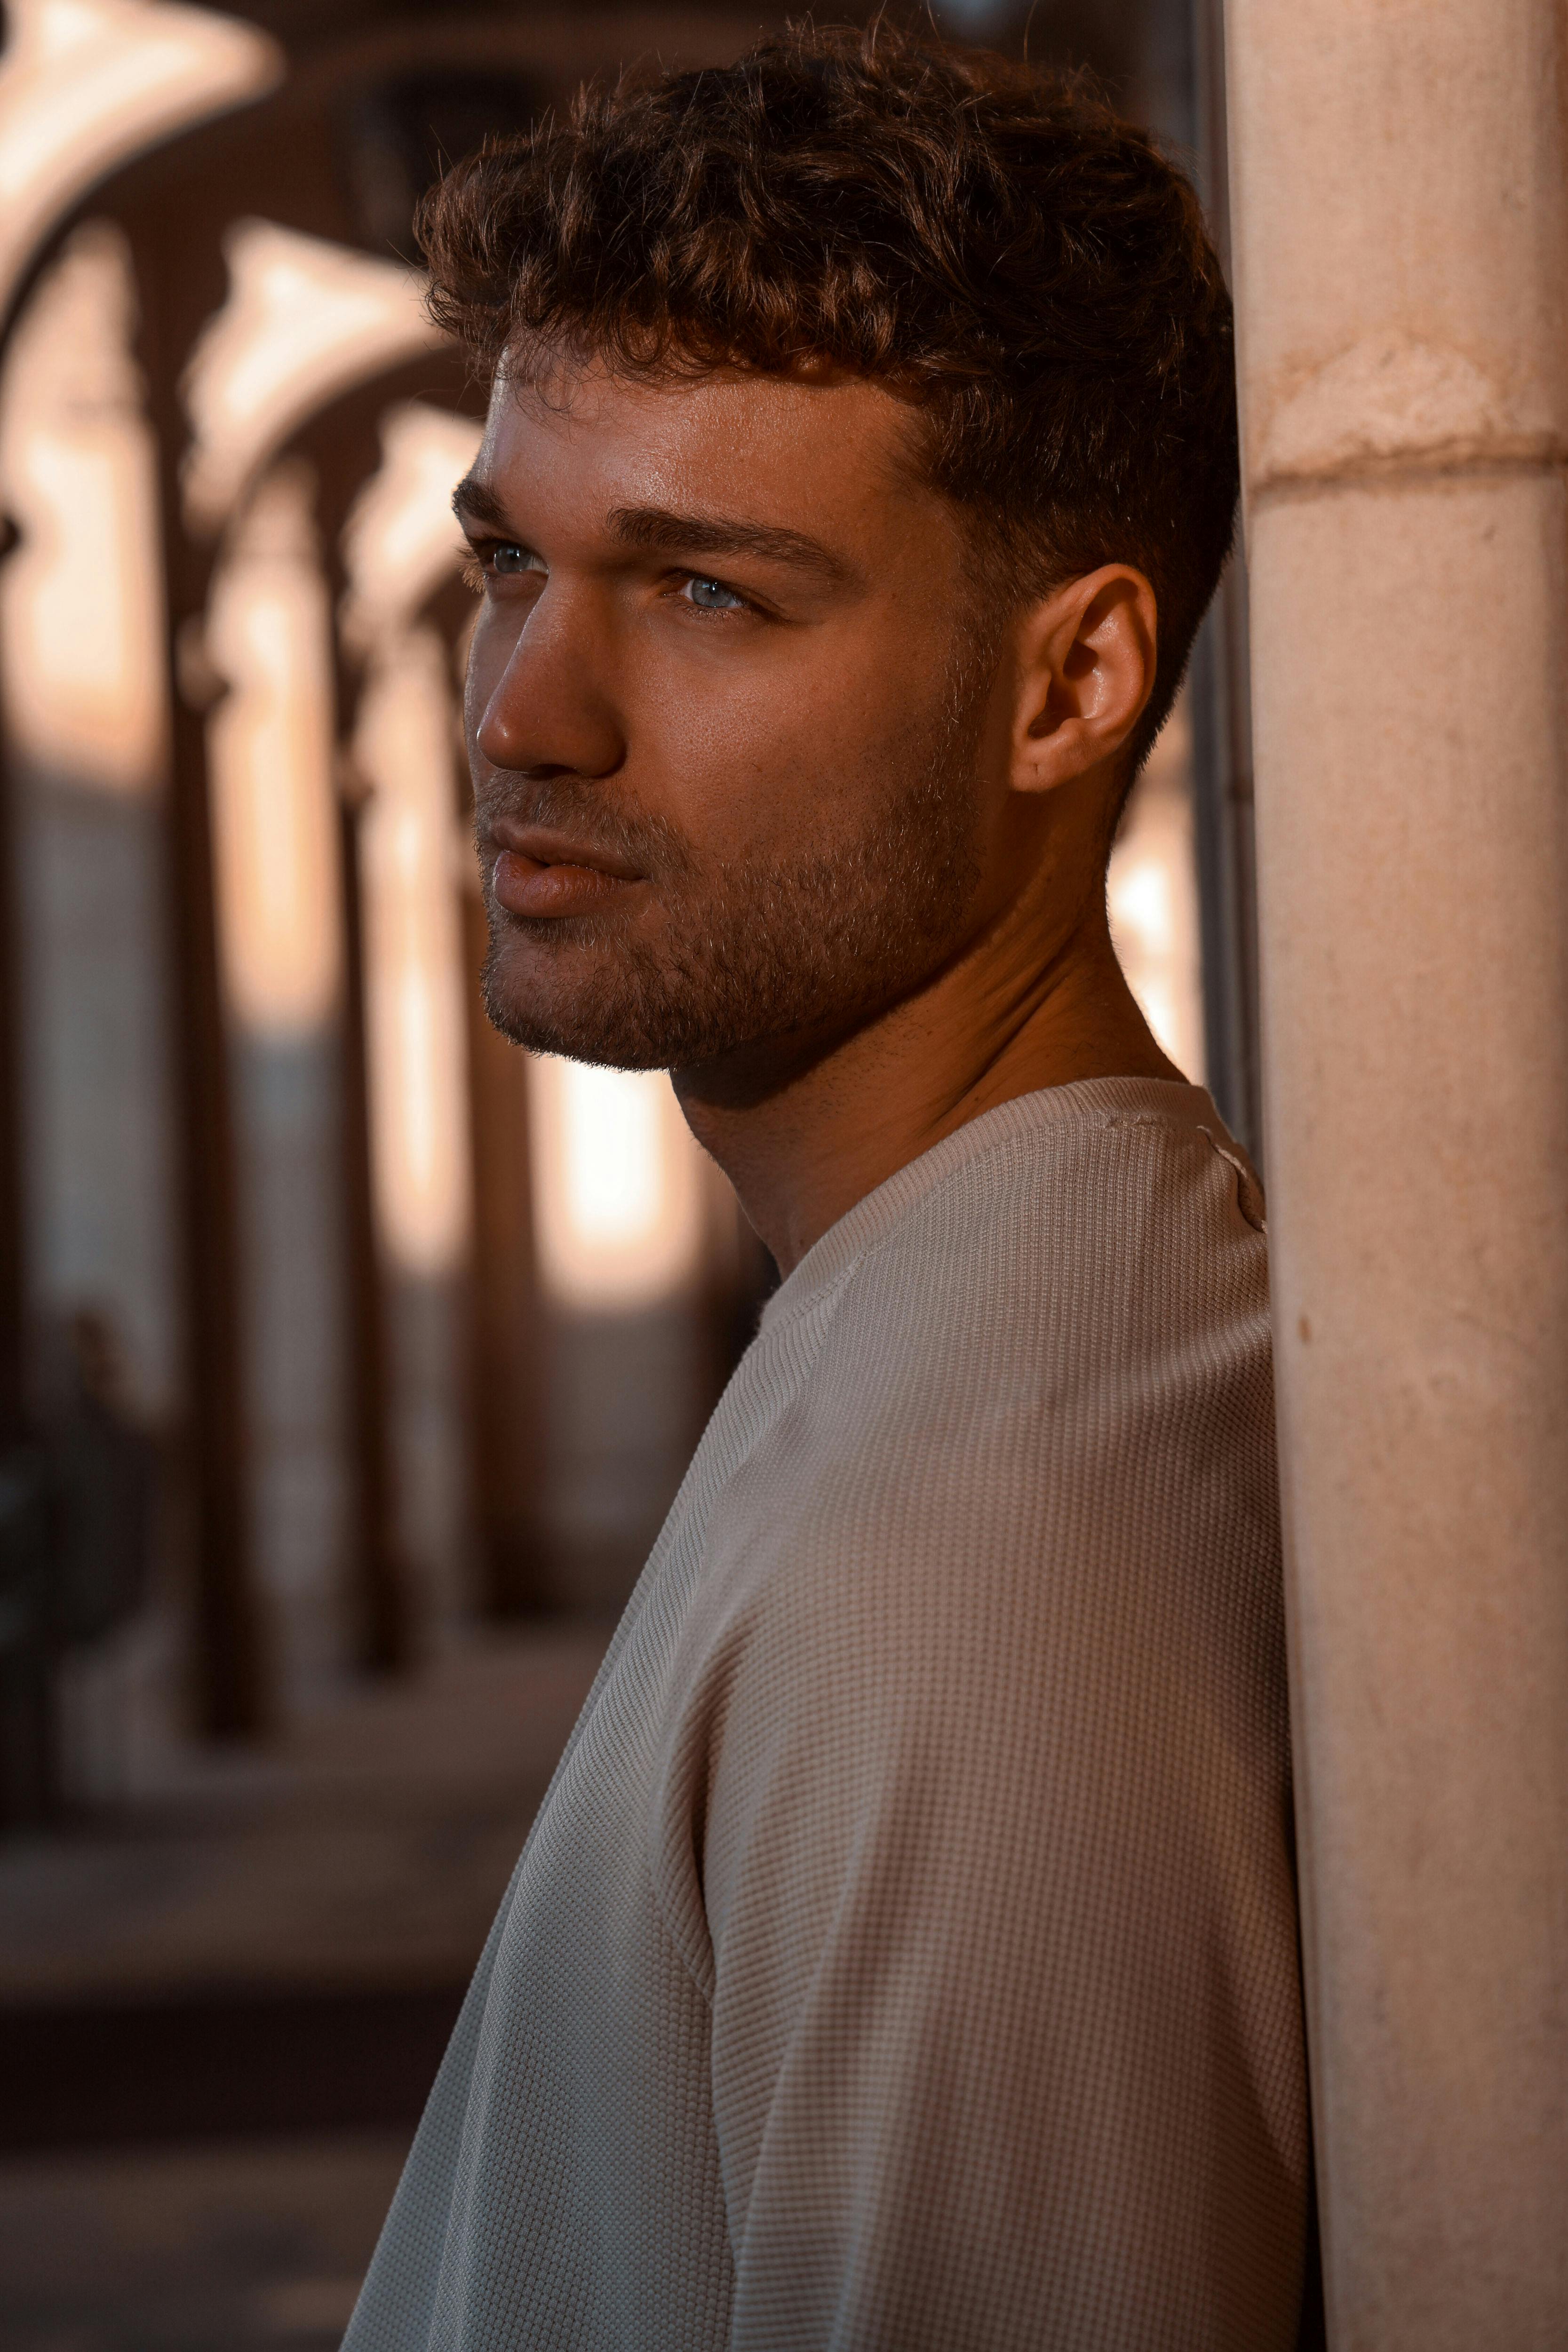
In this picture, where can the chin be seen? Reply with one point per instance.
(579, 1031)
(591, 1005)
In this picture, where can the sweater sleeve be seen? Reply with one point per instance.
(994, 1862)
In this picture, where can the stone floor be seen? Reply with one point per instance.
(370, 1846)
(362, 1858)
(222, 2248)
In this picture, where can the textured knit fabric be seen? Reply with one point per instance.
(905, 1953)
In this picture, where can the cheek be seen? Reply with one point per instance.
(807, 750)
(742, 770)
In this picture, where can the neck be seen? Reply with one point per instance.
(803, 1148)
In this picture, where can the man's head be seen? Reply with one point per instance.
(855, 410)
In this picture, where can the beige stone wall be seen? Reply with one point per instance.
(1401, 236)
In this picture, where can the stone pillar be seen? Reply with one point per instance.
(1400, 223)
(181, 282)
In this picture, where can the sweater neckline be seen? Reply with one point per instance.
(1086, 1102)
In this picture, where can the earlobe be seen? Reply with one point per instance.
(1086, 671)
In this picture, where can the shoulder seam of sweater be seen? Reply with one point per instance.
(1100, 1122)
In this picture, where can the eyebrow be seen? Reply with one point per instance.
(656, 529)
(475, 501)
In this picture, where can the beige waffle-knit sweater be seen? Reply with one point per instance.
(905, 1953)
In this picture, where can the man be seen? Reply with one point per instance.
(904, 1956)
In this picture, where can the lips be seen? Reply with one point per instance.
(539, 873)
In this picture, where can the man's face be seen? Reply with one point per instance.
(725, 707)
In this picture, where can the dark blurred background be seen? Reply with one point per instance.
(349, 1357)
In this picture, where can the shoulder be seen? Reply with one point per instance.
(1012, 1549)
(1038, 1421)
(1063, 1339)
(1079, 1243)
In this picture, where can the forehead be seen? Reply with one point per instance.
(806, 451)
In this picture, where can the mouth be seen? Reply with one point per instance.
(537, 873)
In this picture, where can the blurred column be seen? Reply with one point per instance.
(299, 321)
(86, 729)
(506, 1383)
(232, 1671)
(343, 445)
(26, 1726)
(13, 1297)
(380, 1582)
(1401, 226)
(86, 733)
(84, 84)
(405, 749)
(348, 444)
(399, 545)
(509, 1376)
(271, 744)
(180, 278)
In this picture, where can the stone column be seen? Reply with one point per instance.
(1402, 258)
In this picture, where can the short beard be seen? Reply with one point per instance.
(763, 950)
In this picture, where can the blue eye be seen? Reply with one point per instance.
(712, 596)
(510, 559)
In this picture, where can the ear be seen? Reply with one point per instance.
(1085, 670)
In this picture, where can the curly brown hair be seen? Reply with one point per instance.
(987, 237)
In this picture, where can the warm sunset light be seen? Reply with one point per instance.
(1152, 890)
(406, 749)
(619, 1186)
(270, 738)
(81, 599)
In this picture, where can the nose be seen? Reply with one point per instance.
(538, 698)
